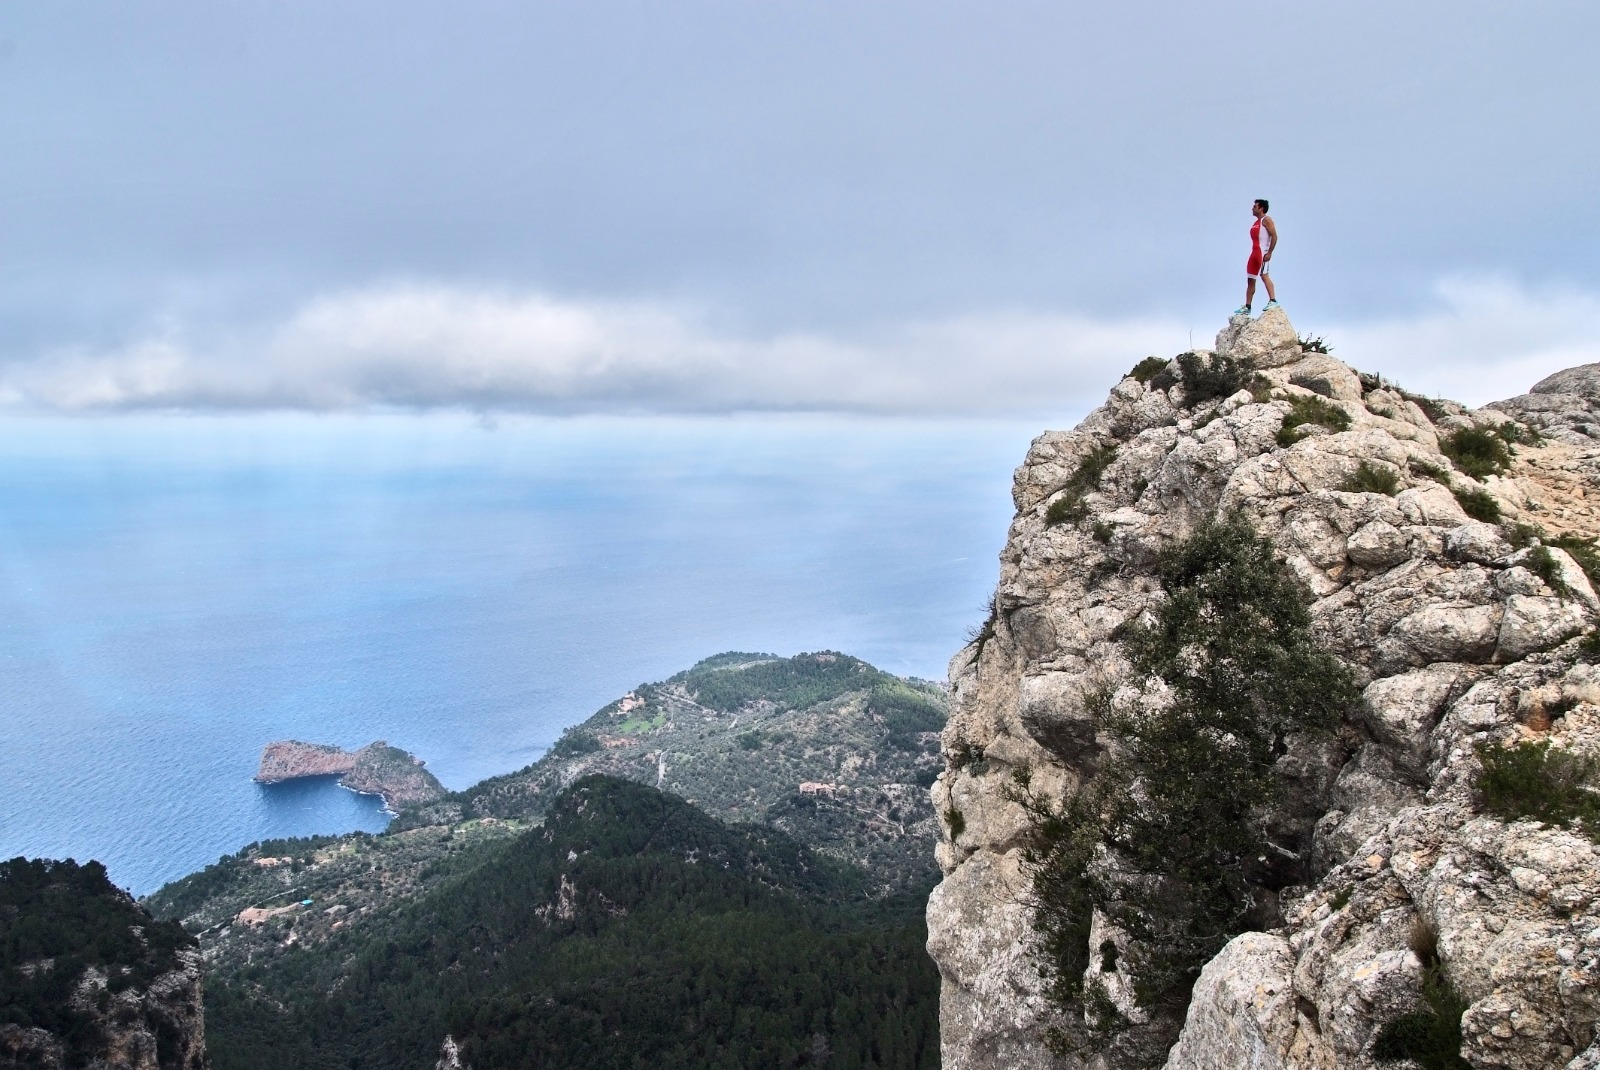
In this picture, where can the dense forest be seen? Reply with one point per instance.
(630, 930)
(56, 920)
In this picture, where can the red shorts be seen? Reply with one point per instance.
(1253, 267)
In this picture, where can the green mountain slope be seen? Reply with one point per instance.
(629, 930)
(823, 746)
(87, 976)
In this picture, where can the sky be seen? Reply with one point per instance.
(919, 209)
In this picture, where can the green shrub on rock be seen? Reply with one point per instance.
(1539, 781)
(1478, 504)
(1070, 506)
(1476, 452)
(1220, 377)
(1430, 1037)
(1372, 479)
(1304, 410)
(1148, 368)
(1165, 840)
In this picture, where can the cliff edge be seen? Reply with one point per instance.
(1410, 890)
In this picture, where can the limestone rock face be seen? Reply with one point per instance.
(1456, 637)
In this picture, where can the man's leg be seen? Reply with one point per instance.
(1266, 280)
(1250, 291)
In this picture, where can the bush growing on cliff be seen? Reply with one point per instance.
(1070, 507)
(1220, 377)
(56, 919)
(1431, 1035)
(1148, 368)
(1165, 840)
(1304, 410)
(1582, 551)
(1476, 452)
(1537, 780)
(1477, 503)
(1372, 479)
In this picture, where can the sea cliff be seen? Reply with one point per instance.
(376, 769)
(1402, 904)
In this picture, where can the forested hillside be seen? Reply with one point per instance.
(629, 930)
(824, 746)
(86, 975)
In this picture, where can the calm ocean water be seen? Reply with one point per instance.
(177, 592)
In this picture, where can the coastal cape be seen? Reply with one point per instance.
(398, 777)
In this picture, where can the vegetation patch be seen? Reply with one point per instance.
(1070, 507)
(1430, 1036)
(1148, 368)
(1582, 551)
(1314, 344)
(1372, 479)
(1542, 563)
(630, 930)
(979, 637)
(957, 823)
(1515, 434)
(1211, 380)
(56, 920)
(1429, 471)
(575, 741)
(1310, 410)
(1432, 408)
(642, 724)
(1176, 802)
(1477, 452)
(1540, 781)
(795, 683)
(906, 713)
(1477, 503)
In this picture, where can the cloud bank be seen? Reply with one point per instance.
(424, 347)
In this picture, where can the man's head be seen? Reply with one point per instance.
(1259, 209)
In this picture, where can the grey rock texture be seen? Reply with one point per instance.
(1455, 641)
(159, 1027)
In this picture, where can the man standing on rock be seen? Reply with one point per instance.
(1263, 240)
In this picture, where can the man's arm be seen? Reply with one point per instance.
(1272, 236)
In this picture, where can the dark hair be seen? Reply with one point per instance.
(1262, 201)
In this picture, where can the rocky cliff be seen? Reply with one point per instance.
(1426, 885)
(376, 769)
(88, 978)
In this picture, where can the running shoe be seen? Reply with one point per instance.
(1270, 305)
(1242, 310)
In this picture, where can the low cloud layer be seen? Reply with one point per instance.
(440, 347)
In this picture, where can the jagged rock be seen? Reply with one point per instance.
(1243, 1009)
(1268, 341)
(450, 1056)
(1583, 380)
(1457, 640)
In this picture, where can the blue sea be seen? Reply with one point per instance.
(176, 592)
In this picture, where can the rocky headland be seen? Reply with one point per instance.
(1417, 878)
(398, 777)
